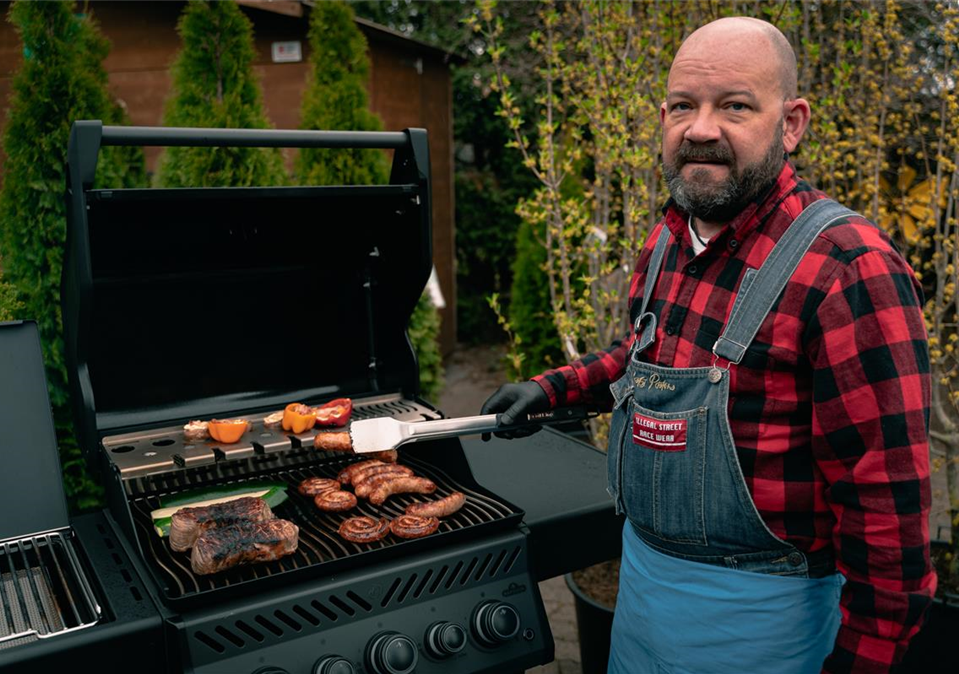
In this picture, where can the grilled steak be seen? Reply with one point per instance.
(243, 543)
(188, 523)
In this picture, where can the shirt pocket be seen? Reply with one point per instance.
(664, 472)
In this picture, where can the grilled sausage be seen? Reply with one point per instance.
(335, 501)
(243, 543)
(387, 455)
(364, 487)
(333, 442)
(187, 524)
(364, 529)
(441, 508)
(414, 526)
(312, 486)
(402, 485)
(346, 475)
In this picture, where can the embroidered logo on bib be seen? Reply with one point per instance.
(665, 435)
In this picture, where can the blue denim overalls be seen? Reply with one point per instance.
(705, 586)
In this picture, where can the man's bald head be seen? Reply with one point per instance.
(748, 34)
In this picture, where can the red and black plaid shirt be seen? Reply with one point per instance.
(829, 407)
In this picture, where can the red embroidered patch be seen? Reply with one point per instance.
(665, 435)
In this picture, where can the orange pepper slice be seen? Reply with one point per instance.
(228, 431)
(298, 418)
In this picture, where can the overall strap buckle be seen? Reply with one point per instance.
(644, 331)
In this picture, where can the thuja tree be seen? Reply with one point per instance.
(214, 86)
(9, 306)
(61, 79)
(336, 99)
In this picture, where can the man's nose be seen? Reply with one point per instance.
(703, 127)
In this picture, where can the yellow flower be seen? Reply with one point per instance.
(909, 207)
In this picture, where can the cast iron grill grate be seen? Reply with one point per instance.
(320, 546)
(43, 591)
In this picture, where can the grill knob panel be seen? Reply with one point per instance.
(444, 639)
(495, 622)
(334, 664)
(391, 653)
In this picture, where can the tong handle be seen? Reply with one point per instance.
(490, 423)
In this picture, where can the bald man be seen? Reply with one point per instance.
(768, 442)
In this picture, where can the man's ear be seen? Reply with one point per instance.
(796, 115)
(662, 113)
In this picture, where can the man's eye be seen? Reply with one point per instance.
(738, 107)
(681, 106)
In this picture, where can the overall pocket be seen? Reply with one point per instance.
(622, 390)
(664, 472)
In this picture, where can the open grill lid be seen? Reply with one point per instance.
(189, 303)
(30, 481)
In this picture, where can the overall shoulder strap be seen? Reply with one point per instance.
(760, 289)
(645, 326)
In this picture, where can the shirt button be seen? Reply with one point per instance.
(669, 331)
(733, 243)
(693, 269)
(794, 558)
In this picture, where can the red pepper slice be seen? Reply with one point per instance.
(334, 413)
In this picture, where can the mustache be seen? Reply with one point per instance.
(697, 152)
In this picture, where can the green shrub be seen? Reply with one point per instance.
(214, 86)
(336, 99)
(424, 331)
(529, 308)
(61, 79)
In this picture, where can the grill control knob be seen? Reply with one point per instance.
(334, 664)
(445, 639)
(495, 622)
(391, 653)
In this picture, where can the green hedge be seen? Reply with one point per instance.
(529, 308)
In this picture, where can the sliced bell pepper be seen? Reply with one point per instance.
(334, 413)
(298, 418)
(228, 431)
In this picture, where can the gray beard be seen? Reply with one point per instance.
(725, 201)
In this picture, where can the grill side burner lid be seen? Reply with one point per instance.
(194, 303)
(30, 479)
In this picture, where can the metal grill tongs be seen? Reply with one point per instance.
(374, 435)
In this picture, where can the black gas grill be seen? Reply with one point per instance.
(201, 303)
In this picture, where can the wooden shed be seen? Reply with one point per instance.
(409, 86)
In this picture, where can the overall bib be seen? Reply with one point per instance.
(705, 586)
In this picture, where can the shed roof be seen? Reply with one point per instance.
(388, 35)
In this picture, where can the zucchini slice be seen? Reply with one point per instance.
(274, 493)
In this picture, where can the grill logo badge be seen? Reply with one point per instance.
(664, 435)
(514, 588)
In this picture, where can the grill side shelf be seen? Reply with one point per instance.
(321, 550)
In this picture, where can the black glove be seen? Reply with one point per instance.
(515, 401)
